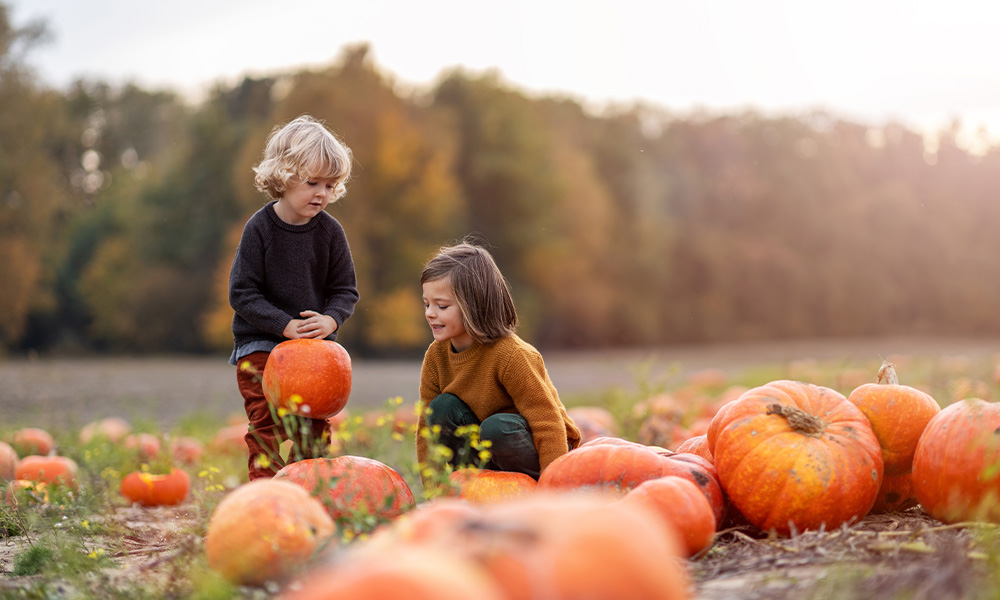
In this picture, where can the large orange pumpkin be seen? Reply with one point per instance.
(147, 489)
(956, 468)
(307, 377)
(50, 469)
(485, 485)
(398, 572)
(568, 546)
(793, 455)
(898, 415)
(351, 485)
(265, 530)
(682, 505)
(698, 471)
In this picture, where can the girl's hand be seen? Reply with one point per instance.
(313, 325)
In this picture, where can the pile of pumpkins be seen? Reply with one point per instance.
(616, 518)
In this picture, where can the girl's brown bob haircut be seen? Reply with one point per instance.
(301, 150)
(481, 291)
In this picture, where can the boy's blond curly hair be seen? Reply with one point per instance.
(300, 150)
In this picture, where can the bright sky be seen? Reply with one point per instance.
(919, 62)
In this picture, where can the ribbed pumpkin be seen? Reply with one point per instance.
(682, 505)
(8, 461)
(265, 530)
(898, 415)
(956, 468)
(793, 455)
(351, 485)
(50, 469)
(696, 445)
(32, 441)
(485, 485)
(308, 377)
(148, 489)
(699, 471)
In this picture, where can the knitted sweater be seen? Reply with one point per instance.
(281, 270)
(508, 376)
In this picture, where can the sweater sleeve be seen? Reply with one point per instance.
(246, 284)
(536, 399)
(341, 290)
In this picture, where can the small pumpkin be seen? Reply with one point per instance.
(351, 485)
(593, 421)
(898, 414)
(230, 439)
(264, 531)
(49, 469)
(697, 445)
(484, 485)
(682, 505)
(146, 445)
(147, 489)
(896, 494)
(32, 441)
(699, 471)
(956, 466)
(793, 455)
(8, 461)
(112, 429)
(186, 450)
(308, 377)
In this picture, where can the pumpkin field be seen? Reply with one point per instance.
(822, 470)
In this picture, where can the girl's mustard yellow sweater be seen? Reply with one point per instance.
(507, 376)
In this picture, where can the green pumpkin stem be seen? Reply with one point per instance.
(887, 374)
(799, 420)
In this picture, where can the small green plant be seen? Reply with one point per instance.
(33, 560)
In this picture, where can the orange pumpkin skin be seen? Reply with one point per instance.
(112, 429)
(264, 531)
(697, 445)
(49, 469)
(32, 441)
(307, 377)
(147, 489)
(396, 573)
(348, 485)
(796, 455)
(701, 473)
(568, 546)
(146, 445)
(956, 468)
(8, 461)
(682, 505)
(616, 466)
(484, 485)
(898, 415)
(186, 450)
(896, 494)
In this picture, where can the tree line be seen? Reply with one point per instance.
(121, 207)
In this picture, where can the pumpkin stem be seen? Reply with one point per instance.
(887, 374)
(799, 420)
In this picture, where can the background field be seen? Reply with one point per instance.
(63, 392)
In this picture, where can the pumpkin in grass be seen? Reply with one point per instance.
(699, 471)
(49, 469)
(351, 485)
(147, 445)
(896, 494)
(485, 485)
(308, 377)
(22, 491)
(112, 429)
(796, 456)
(606, 464)
(8, 461)
(898, 414)
(147, 489)
(593, 421)
(186, 450)
(32, 441)
(956, 467)
(264, 531)
(683, 505)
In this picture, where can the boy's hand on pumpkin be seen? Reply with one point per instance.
(314, 325)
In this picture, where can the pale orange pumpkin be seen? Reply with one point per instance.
(308, 377)
(50, 469)
(112, 429)
(265, 530)
(682, 505)
(32, 441)
(8, 461)
(146, 445)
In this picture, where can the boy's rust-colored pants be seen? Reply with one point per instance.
(308, 436)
